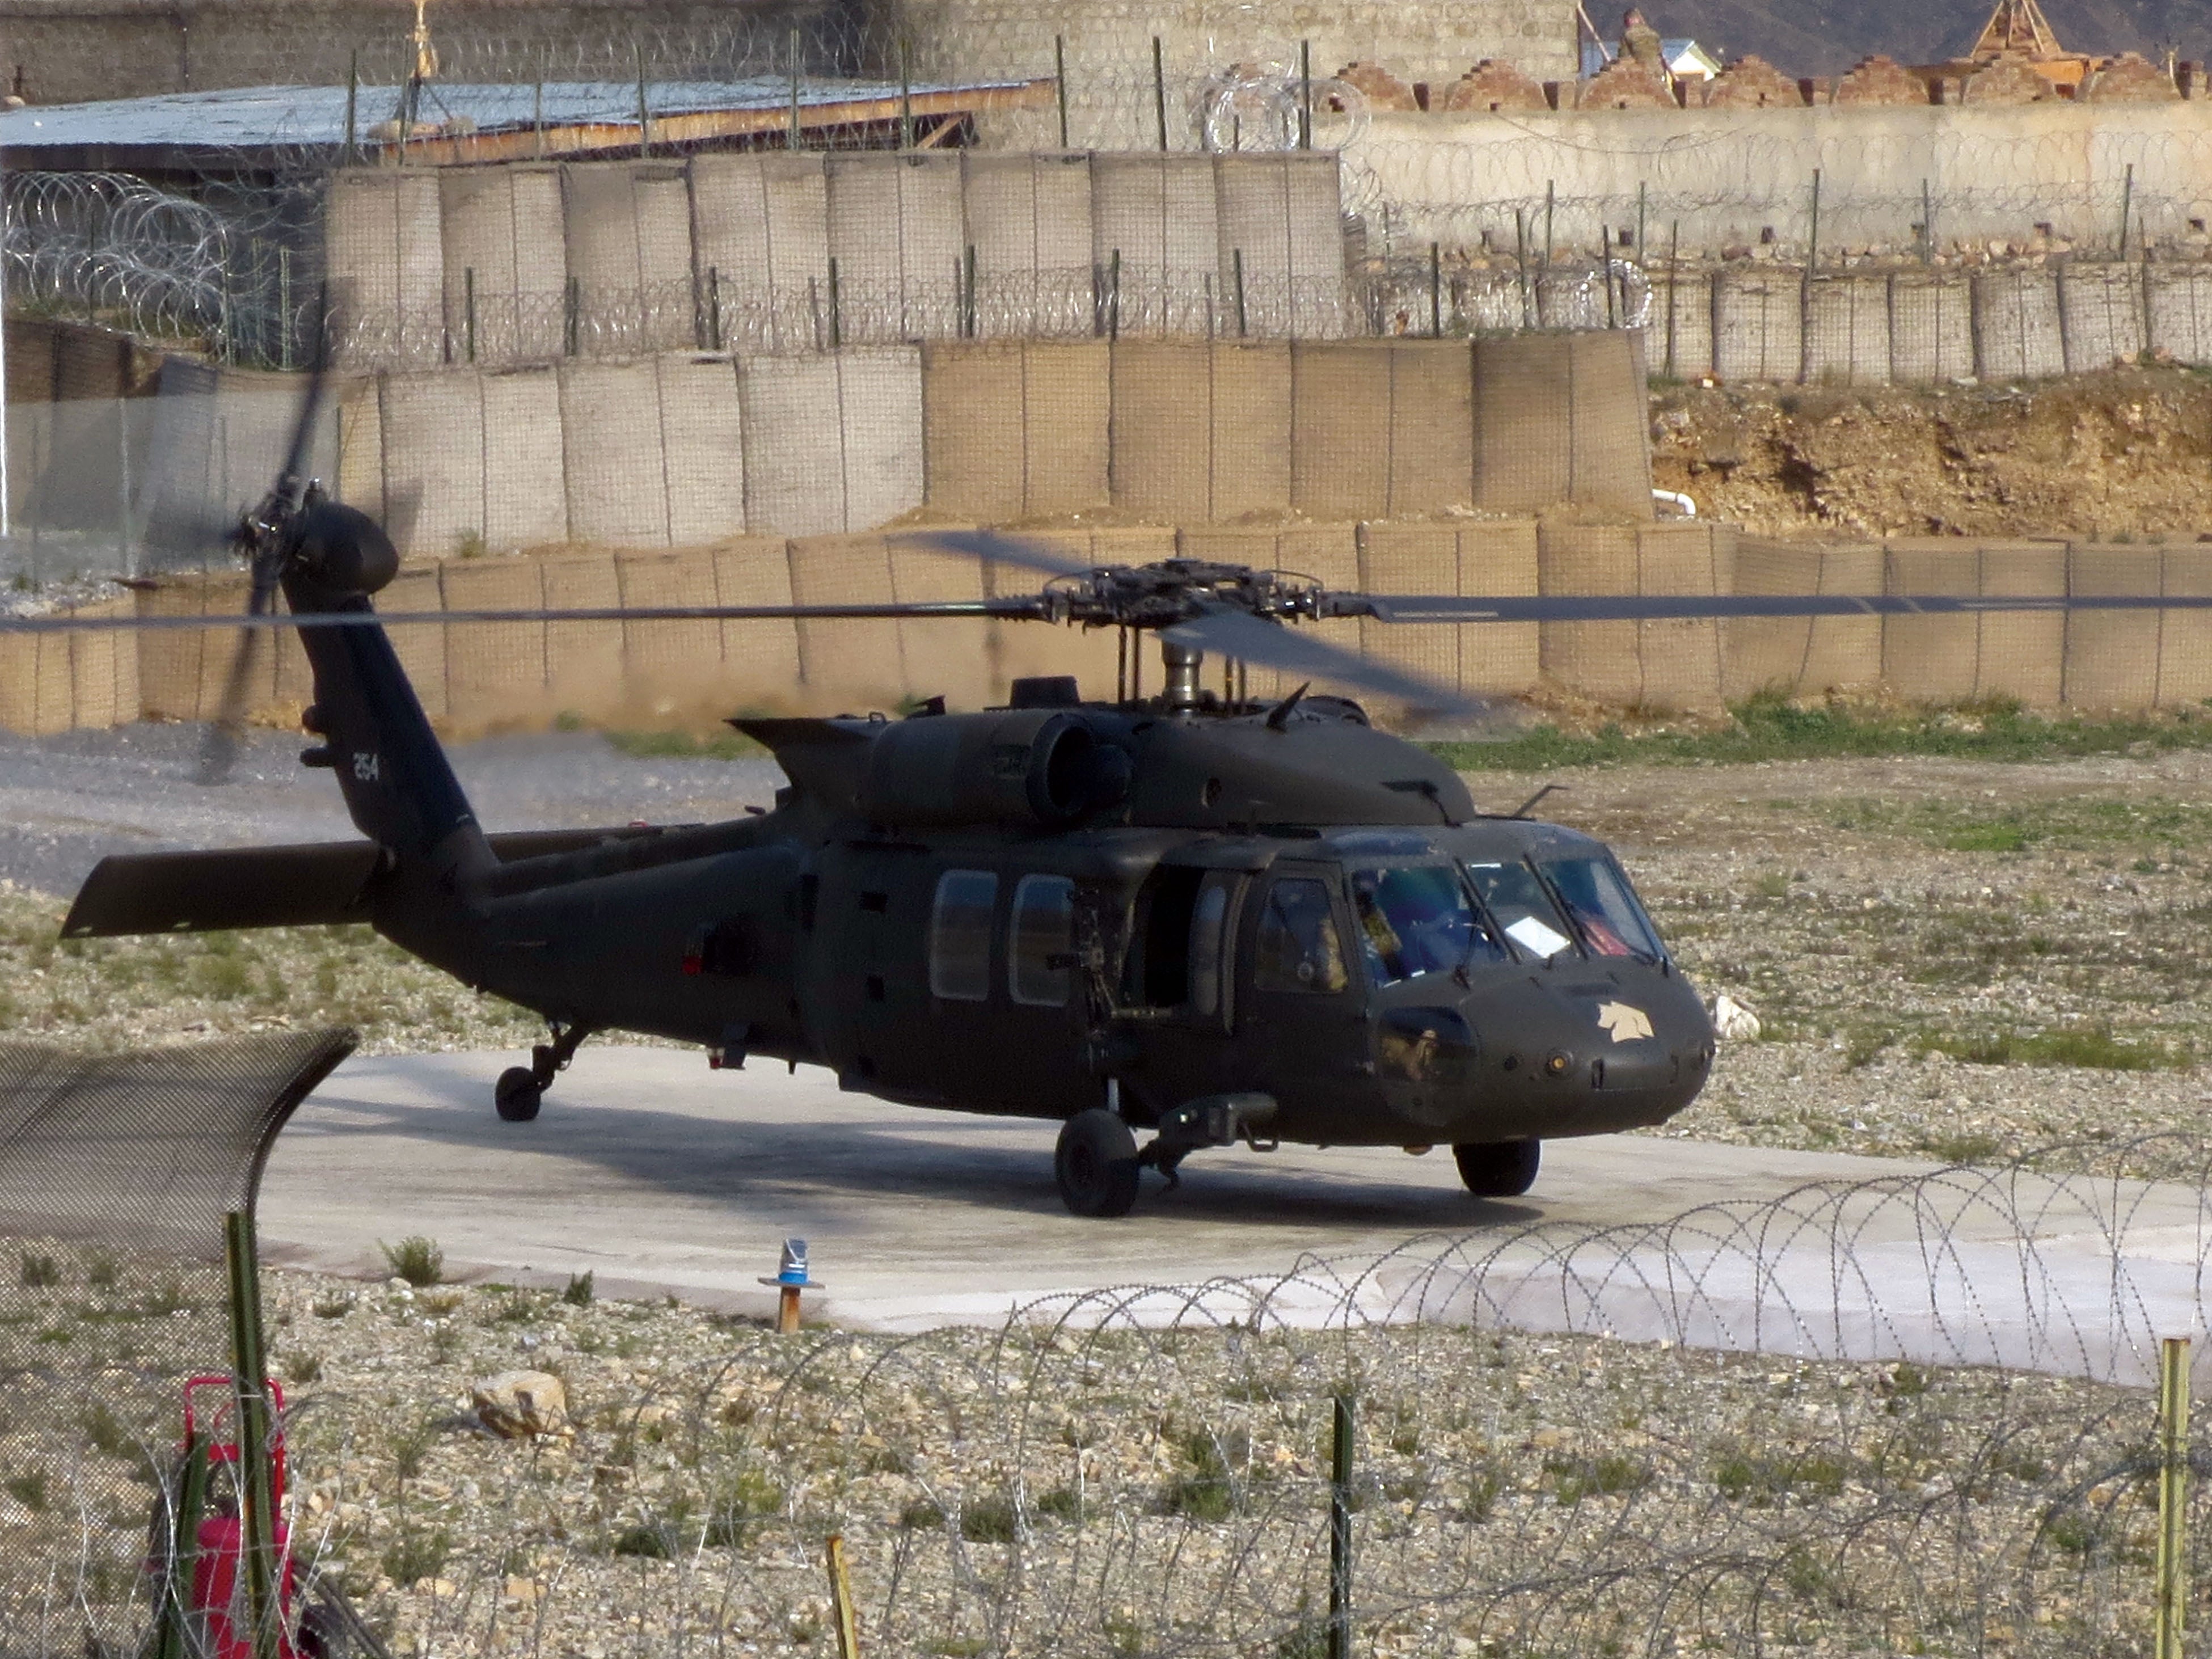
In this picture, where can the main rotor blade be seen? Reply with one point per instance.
(1246, 638)
(1706, 607)
(1005, 549)
(1021, 608)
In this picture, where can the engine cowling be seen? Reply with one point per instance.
(1047, 767)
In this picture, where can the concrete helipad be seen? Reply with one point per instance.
(661, 1176)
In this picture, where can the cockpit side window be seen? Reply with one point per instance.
(1524, 910)
(1298, 948)
(1603, 907)
(1417, 919)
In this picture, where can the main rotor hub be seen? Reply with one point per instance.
(1171, 591)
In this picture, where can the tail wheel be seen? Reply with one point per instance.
(1096, 1162)
(517, 1095)
(1498, 1169)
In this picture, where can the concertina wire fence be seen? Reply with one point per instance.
(1866, 1415)
(1512, 235)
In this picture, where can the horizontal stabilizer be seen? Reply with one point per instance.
(232, 887)
(319, 885)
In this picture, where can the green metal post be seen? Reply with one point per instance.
(1436, 293)
(792, 141)
(967, 289)
(1060, 82)
(172, 1635)
(1305, 94)
(2172, 1494)
(256, 1435)
(1340, 1529)
(469, 307)
(2127, 206)
(906, 95)
(1113, 296)
(353, 107)
(1236, 259)
(836, 330)
(644, 113)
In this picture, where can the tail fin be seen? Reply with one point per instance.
(399, 785)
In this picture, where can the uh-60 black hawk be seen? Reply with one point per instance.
(1186, 914)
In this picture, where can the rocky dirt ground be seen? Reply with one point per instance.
(2118, 455)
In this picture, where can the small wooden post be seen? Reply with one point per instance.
(2172, 1494)
(787, 1310)
(841, 1600)
(791, 1278)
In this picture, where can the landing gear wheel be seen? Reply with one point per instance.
(517, 1095)
(1096, 1162)
(1498, 1169)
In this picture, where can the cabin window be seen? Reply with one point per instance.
(960, 935)
(1041, 938)
(1602, 908)
(1298, 948)
(1208, 919)
(1524, 910)
(1417, 919)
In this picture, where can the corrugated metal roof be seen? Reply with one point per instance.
(276, 117)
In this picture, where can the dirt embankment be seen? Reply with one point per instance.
(2126, 453)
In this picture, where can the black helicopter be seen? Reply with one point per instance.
(1189, 914)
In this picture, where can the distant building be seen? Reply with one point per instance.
(1686, 59)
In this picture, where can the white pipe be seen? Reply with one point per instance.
(1679, 501)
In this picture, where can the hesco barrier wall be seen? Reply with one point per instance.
(688, 447)
(776, 252)
(473, 675)
(1748, 321)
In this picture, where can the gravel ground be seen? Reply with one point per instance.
(1052, 1489)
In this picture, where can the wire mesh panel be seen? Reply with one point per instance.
(2178, 305)
(1253, 416)
(1028, 217)
(703, 448)
(616, 463)
(1163, 431)
(1499, 558)
(1931, 326)
(1156, 242)
(2101, 312)
(846, 658)
(1803, 655)
(666, 660)
(628, 236)
(432, 427)
(495, 669)
(1757, 324)
(115, 1173)
(2112, 658)
(895, 232)
(384, 253)
(526, 479)
(761, 249)
(879, 420)
(582, 658)
(1431, 465)
(1681, 327)
(1412, 558)
(1850, 343)
(1608, 427)
(2017, 331)
(505, 257)
(1524, 424)
(1342, 431)
(763, 656)
(951, 660)
(796, 485)
(974, 427)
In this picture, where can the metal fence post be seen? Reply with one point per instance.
(1805, 299)
(1674, 291)
(1113, 296)
(1927, 225)
(836, 322)
(257, 1473)
(792, 141)
(1237, 260)
(1436, 293)
(2127, 206)
(1305, 94)
(1159, 93)
(2172, 1494)
(1340, 1530)
(644, 111)
(353, 107)
(469, 307)
(1060, 82)
(906, 98)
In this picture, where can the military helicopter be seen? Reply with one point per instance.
(1205, 918)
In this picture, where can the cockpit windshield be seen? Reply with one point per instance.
(1524, 910)
(1416, 919)
(1603, 907)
